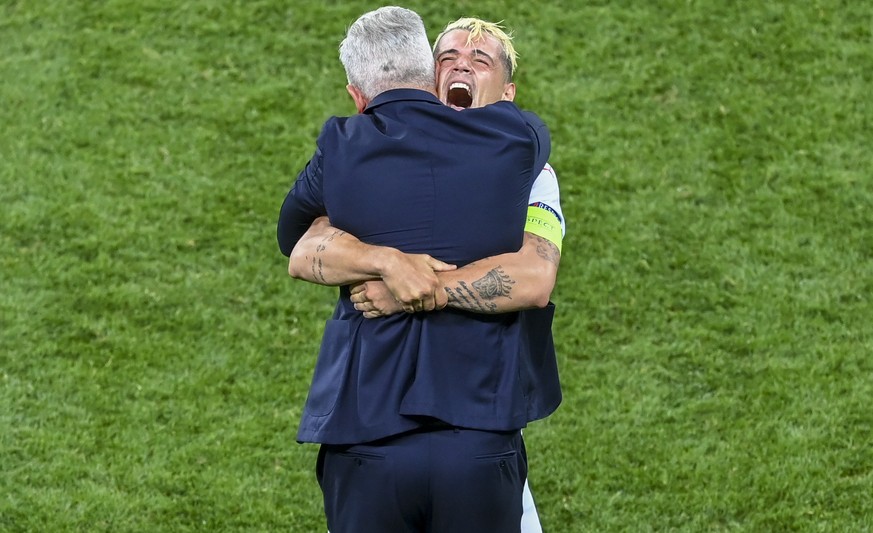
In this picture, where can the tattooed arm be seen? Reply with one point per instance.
(497, 284)
(507, 282)
(328, 256)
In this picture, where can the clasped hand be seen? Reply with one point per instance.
(409, 284)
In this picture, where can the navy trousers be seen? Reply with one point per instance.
(433, 480)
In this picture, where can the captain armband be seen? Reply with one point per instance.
(544, 222)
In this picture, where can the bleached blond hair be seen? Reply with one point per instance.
(478, 29)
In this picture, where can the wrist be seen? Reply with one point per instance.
(384, 259)
(447, 277)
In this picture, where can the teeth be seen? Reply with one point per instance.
(459, 85)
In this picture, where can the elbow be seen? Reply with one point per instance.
(296, 265)
(542, 293)
(542, 298)
(293, 270)
(537, 293)
(542, 303)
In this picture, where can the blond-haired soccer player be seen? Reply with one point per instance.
(475, 63)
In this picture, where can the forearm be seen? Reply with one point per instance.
(506, 282)
(329, 256)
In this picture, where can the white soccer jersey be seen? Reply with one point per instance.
(545, 194)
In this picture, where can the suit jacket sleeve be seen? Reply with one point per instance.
(543, 140)
(303, 204)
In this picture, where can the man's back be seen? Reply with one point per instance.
(415, 175)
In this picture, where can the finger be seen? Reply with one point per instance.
(428, 304)
(441, 299)
(440, 266)
(360, 287)
(359, 298)
(403, 300)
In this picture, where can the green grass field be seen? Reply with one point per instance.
(715, 300)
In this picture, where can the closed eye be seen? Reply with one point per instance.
(480, 56)
(447, 55)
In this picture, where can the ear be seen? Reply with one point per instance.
(361, 101)
(509, 92)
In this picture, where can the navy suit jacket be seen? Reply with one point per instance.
(419, 176)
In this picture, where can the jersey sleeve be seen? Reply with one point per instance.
(545, 217)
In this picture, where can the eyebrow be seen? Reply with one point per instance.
(476, 52)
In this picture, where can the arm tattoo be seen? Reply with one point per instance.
(493, 284)
(318, 269)
(337, 233)
(478, 298)
(547, 250)
(462, 297)
(317, 263)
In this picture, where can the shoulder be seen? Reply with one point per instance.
(340, 129)
(549, 173)
(545, 188)
(506, 112)
(532, 118)
(547, 178)
(507, 107)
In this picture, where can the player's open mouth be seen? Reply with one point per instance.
(459, 95)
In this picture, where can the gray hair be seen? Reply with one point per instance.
(387, 49)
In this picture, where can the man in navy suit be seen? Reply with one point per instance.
(418, 414)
